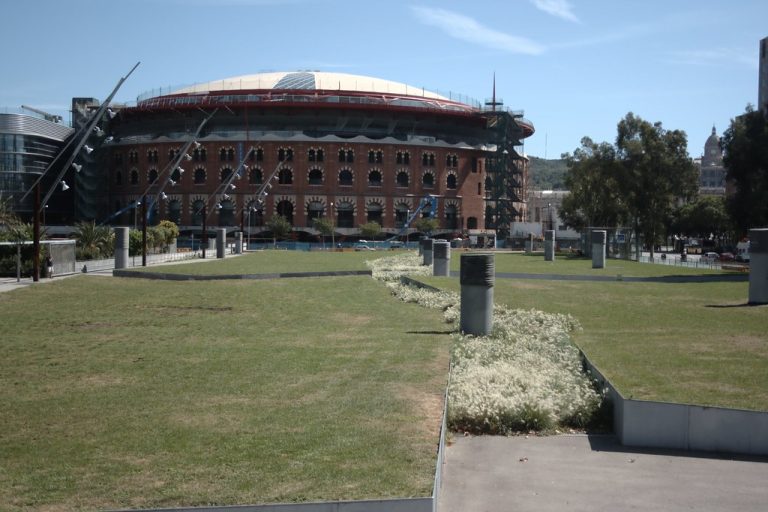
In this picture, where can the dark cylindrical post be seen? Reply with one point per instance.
(549, 245)
(427, 251)
(121, 247)
(758, 266)
(143, 231)
(36, 236)
(221, 242)
(478, 273)
(529, 244)
(441, 255)
(598, 248)
(204, 234)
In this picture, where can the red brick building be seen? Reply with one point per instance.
(353, 148)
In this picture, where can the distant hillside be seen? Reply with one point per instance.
(547, 174)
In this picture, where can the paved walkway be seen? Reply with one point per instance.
(594, 473)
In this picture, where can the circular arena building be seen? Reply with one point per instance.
(308, 145)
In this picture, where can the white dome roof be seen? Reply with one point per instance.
(310, 80)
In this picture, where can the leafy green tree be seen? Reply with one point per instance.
(656, 172)
(94, 242)
(703, 217)
(595, 198)
(745, 144)
(279, 226)
(427, 224)
(166, 233)
(324, 225)
(370, 230)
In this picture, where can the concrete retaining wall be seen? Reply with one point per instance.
(650, 424)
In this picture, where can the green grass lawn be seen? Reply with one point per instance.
(571, 265)
(692, 342)
(274, 261)
(122, 393)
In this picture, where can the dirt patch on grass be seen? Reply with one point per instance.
(343, 319)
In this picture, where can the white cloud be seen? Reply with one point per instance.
(560, 8)
(470, 30)
(714, 57)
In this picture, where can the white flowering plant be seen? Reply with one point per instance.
(526, 375)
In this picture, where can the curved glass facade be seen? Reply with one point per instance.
(28, 144)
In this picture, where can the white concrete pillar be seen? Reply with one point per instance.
(549, 245)
(121, 247)
(478, 274)
(598, 248)
(221, 242)
(441, 254)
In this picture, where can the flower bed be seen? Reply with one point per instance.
(526, 375)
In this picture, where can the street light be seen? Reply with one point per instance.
(333, 230)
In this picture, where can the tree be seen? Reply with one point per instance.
(592, 178)
(167, 232)
(702, 218)
(655, 172)
(370, 229)
(745, 145)
(324, 225)
(279, 226)
(94, 242)
(427, 224)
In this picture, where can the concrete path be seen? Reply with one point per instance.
(594, 473)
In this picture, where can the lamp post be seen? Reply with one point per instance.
(333, 229)
(407, 227)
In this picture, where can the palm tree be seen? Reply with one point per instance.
(94, 242)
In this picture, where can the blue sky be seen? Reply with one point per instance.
(576, 67)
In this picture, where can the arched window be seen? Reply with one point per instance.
(451, 181)
(152, 176)
(451, 217)
(374, 179)
(176, 175)
(199, 176)
(134, 177)
(311, 155)
(402, 179)
(285, 177)
(197, 212)
(428, 180)
(226, 212)
(225, 174)
(375, 157)
(256, 154)
(346, 178)
(371, 157)
(374, 213)
(315, 177)
(472, 223)
(223, 154)
(174, 211)
(345, 215)
(285, 208)
(401, 214)
(199, 154)
(320, 155)
(314, 211)
(255, 176)
(230, 155)
(118, 178)
(403, 157)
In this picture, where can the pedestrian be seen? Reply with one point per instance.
(49, 266)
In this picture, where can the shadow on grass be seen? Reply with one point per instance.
(430, 332)
(610, 443)
(723, 306)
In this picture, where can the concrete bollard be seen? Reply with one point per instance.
(758, 266)
(221, 242)
(598, 248)
(478, 273)
(549, 245)
(239, 242)
(428, 256)
(121, 247)
(441, 254)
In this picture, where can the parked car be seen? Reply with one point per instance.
(710, 257)
(727, 256)
(363, 247)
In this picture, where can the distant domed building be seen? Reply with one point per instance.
(711, 170)
(352, 148)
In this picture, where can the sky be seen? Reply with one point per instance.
(575, 67)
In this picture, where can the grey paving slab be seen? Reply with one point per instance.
(583, 473)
